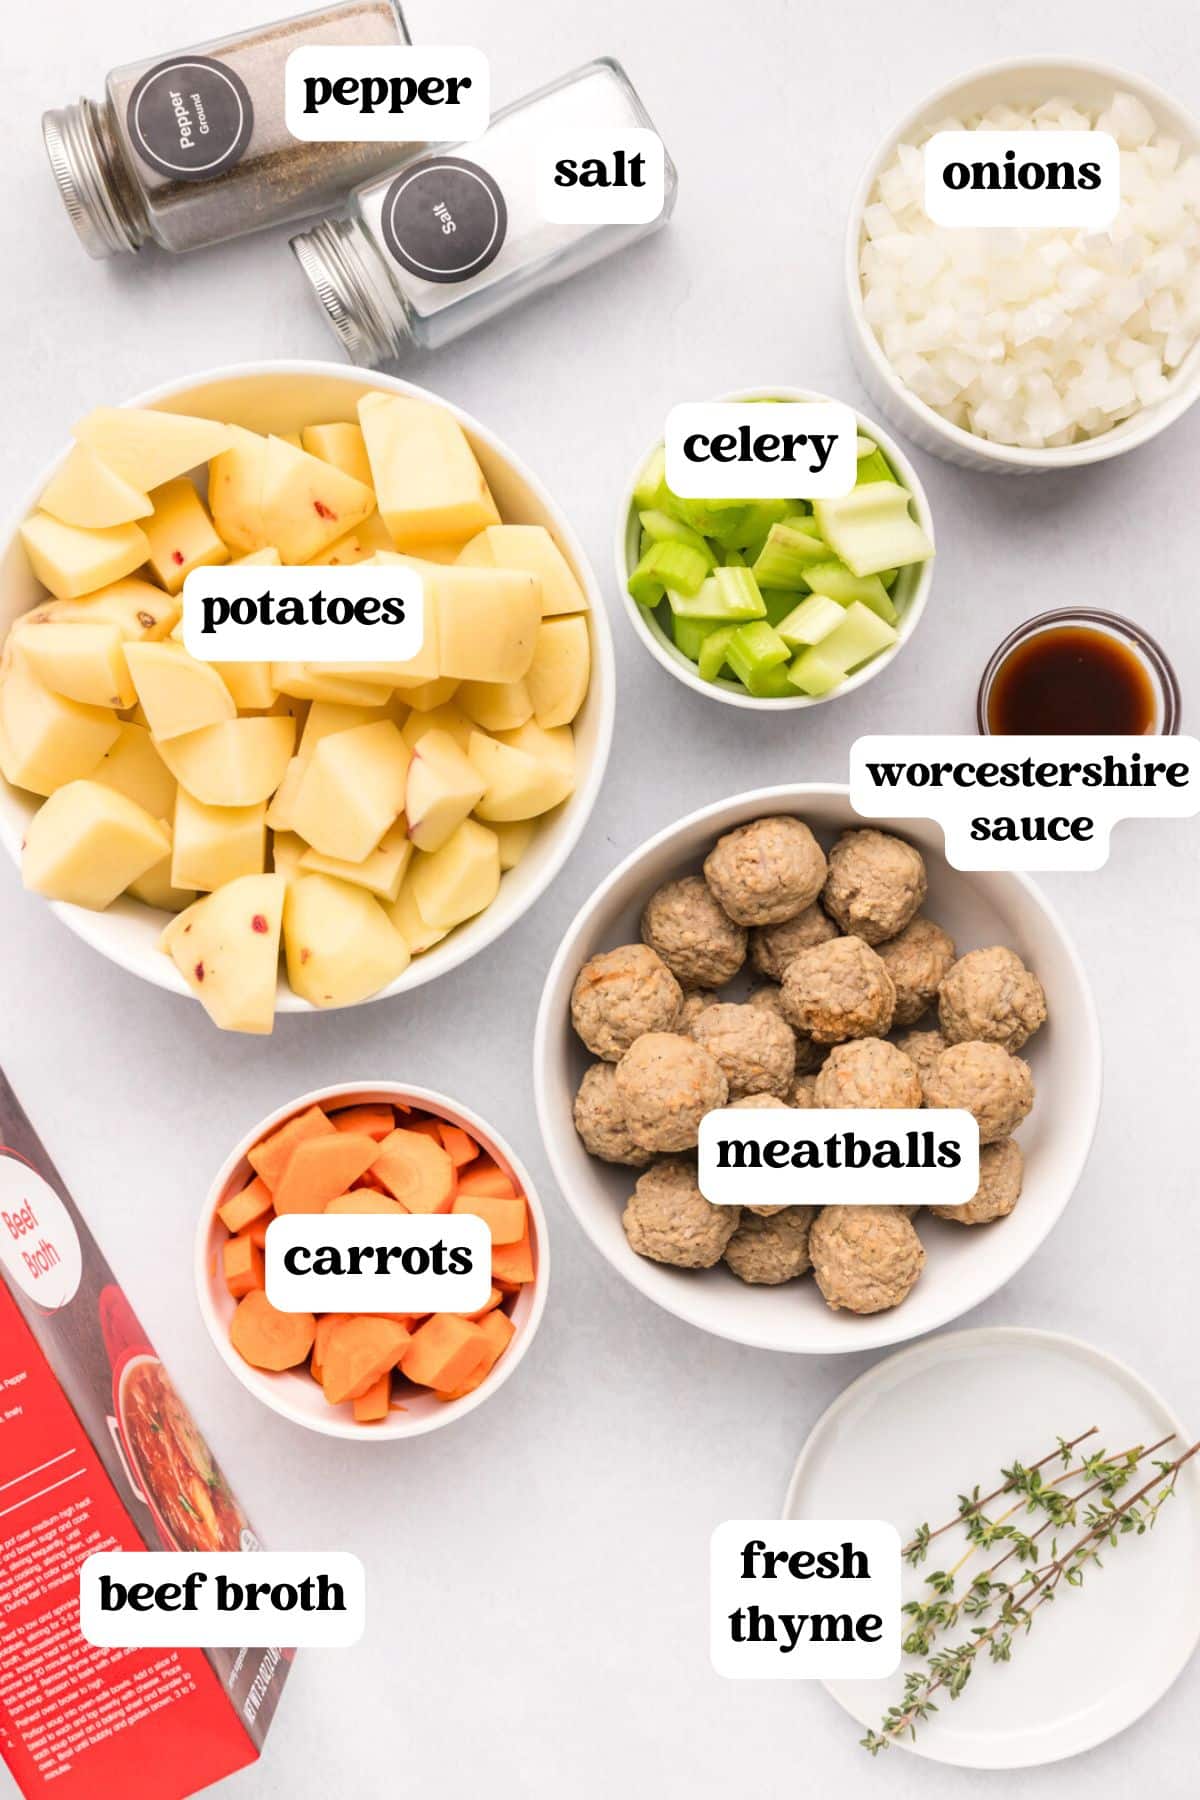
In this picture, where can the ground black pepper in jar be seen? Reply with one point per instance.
(192, 148)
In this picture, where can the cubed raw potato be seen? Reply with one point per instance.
(556, 748)
(341, 444)
(496, 705)
(353, 790)
(515, 836)
(328, 716)
(308, 504)
(281, 812)
(407, 920)
(215, 844)
(430, 695)
(517, 783)
(48, 740)
(443, 787)
(359, 545)
(237, 762)
(250, 683)
(178, 694)
(310, 681)
(84, 662)
(266, 558)
(429, 486)
(380, 873)
(155, 889)
(226, 947)
(529, 547)
(133, 767)
(413, 671)
(141, 611)
(145, 447)
(181, 534)
(87, 492)
(445, 717)
(487, 623)
(235, 491)
(286, 851)
(71, 561)
(460, 879)
(339, 942)
(559, 673)
(86, 843)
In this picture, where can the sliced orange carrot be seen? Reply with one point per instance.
(499, 1329)
(459, 1146)
(320, 1169)
(364, 1200)
(257, 1231)
(505, 1219)
(268, 1339)
(494, 1299)
(427, 1127)
(372, 1406)
(416, 1171)
(357, 1352)
(325, 1325)
(443, 1352)
(242, 1265)
(484, 1177)
(251, 1203)
(513, 1262)
(373, 1121)
(507, 1288)
(270, 1158)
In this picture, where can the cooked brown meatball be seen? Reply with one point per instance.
(808, 1055)
(1001, 1166)
(767, 871)
(990, 995)
(600, 1121)
(755, 1048)
(770, 1251)
(699, 943)
(668, 1219)
(865, 1258)
(922, 1049)
(804, 1091)
(772, 947)
(876, 883)
(665, 1085)
(693, 1005)
(996, 1087)
(917, 959)
(620, 994)
(837, 991)
(768, 994)
(868, 1072)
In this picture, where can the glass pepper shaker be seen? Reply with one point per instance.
(192, 148)
(391, 276)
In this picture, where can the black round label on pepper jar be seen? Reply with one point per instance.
(444, 219)
(190, 118)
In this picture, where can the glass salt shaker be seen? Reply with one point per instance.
(391, 279)
(192, 148)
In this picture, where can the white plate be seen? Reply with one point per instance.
(927, 1424)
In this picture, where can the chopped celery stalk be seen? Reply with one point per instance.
(711, 659)
(888, 578)
(661, 528)
(740, 593)
(863, 446)
(771, 684)
(873, 466)
(652, 482)
(671, 566)
(755, 648)
(871, 529)
(861, 635)
(689, 635)
(779, 602)
(644, 543)
(760, 516)
(723, 520)
(814, 674)
(835, 579)
(719, 601)
(733, 559)
(811, 621)
(785, 557)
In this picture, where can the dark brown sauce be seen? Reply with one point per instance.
(1072, 680)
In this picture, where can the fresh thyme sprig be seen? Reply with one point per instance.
(949, 1670)
(917, 1548)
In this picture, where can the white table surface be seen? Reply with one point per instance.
(538, 1575)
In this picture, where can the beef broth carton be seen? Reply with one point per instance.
(98, 1452)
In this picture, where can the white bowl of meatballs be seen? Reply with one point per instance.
(776, 950)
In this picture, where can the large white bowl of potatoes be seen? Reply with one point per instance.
(284, 836)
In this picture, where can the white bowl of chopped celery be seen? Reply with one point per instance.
(778, 604)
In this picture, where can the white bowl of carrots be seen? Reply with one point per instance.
(370, 1147)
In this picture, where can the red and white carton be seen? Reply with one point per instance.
(98, 1452)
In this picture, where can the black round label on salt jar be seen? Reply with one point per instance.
(444, 219)
(190, 118)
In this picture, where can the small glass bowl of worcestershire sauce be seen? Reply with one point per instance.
(1078, 673)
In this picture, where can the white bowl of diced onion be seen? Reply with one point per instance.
(1111, 383)
(908, 596)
